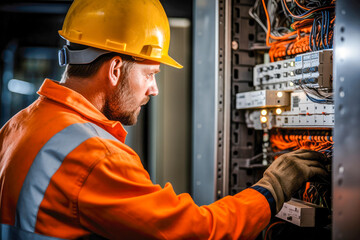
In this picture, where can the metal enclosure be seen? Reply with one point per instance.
(243, 140)
(211, 100)
(205, 72)
(346, 164)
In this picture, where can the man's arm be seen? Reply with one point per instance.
(118, 199)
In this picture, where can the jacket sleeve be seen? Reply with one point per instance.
(118, 200)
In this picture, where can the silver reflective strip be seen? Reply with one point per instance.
(46, 163)
(8, 232)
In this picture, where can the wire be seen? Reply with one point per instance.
(317, 193)
(306, 196)
(254, 15)
(307, 13)
(287, 142)
(270, 227)
(268, 34)
(305, 36)
(305, 8)
(317, 95)
(312, 27)
(302, 23)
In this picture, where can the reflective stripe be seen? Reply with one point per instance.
(8, 232)
(46, 163)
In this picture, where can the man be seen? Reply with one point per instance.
(65, 171)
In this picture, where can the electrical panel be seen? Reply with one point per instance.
(303, 78)
(291, 110)
(282, 100)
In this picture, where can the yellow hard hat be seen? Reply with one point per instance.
(139, 28)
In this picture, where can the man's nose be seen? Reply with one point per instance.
(153, 89)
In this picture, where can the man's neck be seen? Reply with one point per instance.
(89, 88)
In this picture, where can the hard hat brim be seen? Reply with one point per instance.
(165, 59)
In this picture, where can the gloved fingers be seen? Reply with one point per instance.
(294, 153)
(321, 179)
(301, 150)
(310, 155)
(310, 163)
(318, 172)
(304, 154)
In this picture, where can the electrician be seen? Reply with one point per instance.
(65, 171)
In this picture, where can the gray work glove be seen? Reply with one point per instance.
(289, 172)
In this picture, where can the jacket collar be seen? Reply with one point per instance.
(74, 100)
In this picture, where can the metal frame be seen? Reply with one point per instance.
(243, 140)
(214, 122)
(346, 164)
(205, 94)
(211, 100)
(224, 99)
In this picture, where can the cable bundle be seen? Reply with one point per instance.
(311, 28)
(318, 95)
(317, 193)
(321, 35)
(280, 142)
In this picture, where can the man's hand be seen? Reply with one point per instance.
(289, 172)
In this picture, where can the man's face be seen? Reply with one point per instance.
(134, 90)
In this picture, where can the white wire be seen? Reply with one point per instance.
(258, 20)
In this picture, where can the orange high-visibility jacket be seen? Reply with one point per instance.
(66, 173)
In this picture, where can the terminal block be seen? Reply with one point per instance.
(313, 68)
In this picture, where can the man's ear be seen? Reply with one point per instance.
(115, 70)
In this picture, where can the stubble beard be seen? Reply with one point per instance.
(121, 105)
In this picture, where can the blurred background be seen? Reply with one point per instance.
(162, 137)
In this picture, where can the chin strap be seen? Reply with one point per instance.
(84, 56)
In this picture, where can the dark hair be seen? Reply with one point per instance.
(90, 69)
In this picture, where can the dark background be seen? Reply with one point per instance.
(29, 43)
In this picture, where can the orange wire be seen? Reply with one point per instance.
(332, 20)
(286, 46)
(317, 143)
(302, 23)
(268, 33)
(308, 14)
(305, 8)
(268, 24)
(305, 195)
(272, 225)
